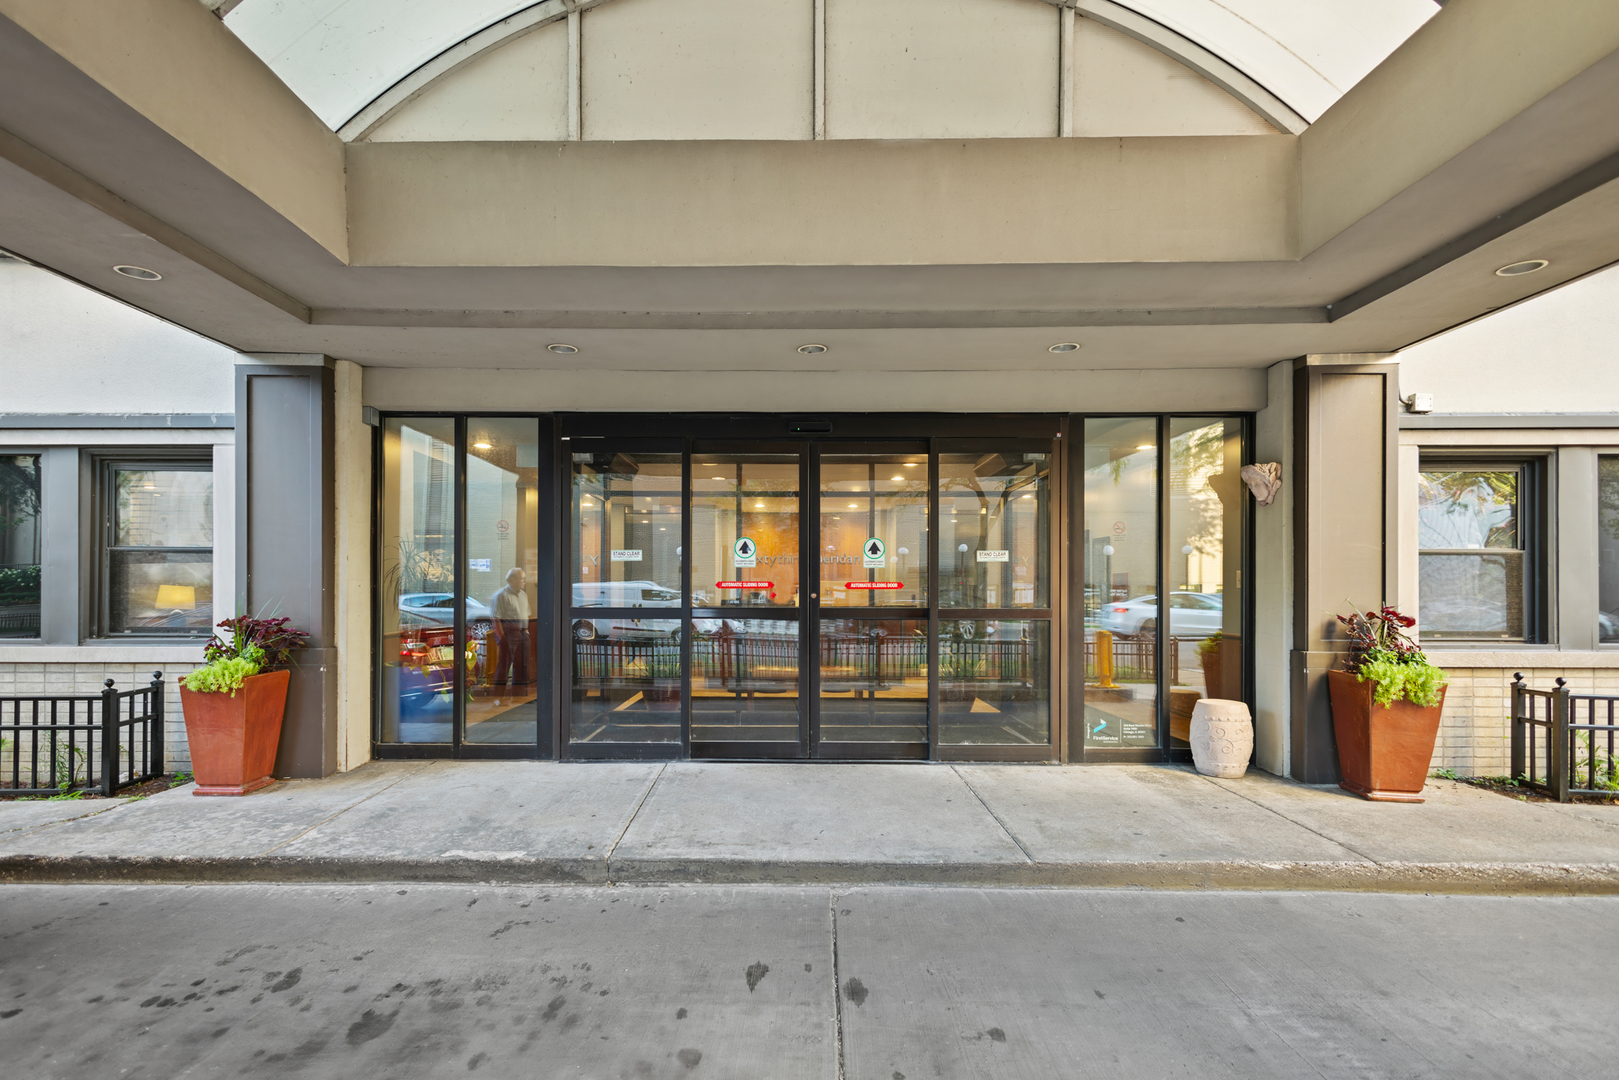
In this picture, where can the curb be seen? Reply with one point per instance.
(1555, 879)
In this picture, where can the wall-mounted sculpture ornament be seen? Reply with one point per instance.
(1264, 481)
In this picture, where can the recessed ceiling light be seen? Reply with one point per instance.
(719, 478)
(812, 350)
(896, 477)
(1146, 446)
(758, 506)
(139, 273)
(1528, 266)
(480, 446)
(560, 348)
(1064, 346)
(910, 464)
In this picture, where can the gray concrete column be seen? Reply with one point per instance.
(1345, 545)
(285, 529)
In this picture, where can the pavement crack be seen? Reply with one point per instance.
(1010, 835)
(1295, 821)
(837, 993)
(404, 775)
(607, 859)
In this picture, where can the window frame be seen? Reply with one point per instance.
(42, 457)
(1534, 539)
(99, 539)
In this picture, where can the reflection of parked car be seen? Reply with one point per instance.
(624, 594)
(1191, 614)
(437, 609)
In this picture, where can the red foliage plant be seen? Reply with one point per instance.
(1378, 631)
(274, 636)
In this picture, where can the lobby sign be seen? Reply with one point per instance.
(992, 555)
(746, 552)
(874, 553)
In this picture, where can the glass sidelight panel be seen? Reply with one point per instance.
(416, 567)
(874, 530)
(874, 680)
(501, 576)
(744, 680)
(1206, 515)
(1122, 609)
(744, 530)
(994, 529)
(626, 681)
(994, 681)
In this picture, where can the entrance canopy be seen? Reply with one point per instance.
(1424, 153)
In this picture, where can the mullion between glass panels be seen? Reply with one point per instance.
(458, 586)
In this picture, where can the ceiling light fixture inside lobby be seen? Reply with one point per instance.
(561, 349)
(139, 273)
(1528, 266)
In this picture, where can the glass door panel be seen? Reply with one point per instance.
(745, 681)
(995, 682)
(501, 576)
(874, 532)
(744, 530)
(995, 529)
(627, 551)
(747, 601)
(874, 680)
(416, 566)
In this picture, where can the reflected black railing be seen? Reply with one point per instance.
(56, 744)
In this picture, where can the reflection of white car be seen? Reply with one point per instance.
(437, 609)
(1191, 614)
(624, 594)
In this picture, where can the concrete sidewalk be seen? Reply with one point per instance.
(543, 822)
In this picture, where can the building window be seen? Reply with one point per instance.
(1479, 576)
(156, 563)
(1608, 548)
(19, 546)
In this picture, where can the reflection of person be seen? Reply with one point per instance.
(511, 615)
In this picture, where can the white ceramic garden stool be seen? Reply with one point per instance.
(1222, 737)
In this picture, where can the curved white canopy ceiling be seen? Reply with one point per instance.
(340, 55)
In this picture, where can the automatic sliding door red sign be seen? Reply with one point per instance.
(744, 584)
(874, 585)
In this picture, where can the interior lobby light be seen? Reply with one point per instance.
(896, 477)
(1145, 446)
(1528, 266)
(139, 273)
(1064, 346)
(480, 446)
(910, 464)
(812, 350)
(562, 349)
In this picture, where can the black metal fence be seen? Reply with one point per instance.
(1563, 743)
(54, 744)
(1135, 658)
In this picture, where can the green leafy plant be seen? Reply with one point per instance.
(1381, 651)
(1210, 645)
(226, 674)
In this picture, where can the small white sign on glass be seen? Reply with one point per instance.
(993, 555)
(626, 555)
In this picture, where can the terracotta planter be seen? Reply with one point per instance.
(234, 739)
(1383, 750)
(1213, 671)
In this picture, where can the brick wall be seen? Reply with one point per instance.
(1475, 733)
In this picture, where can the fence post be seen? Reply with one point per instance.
(1517, 726)
(154, 764)
(109, 739)
(1560, 746)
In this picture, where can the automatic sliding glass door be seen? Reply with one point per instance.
(747, 601)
